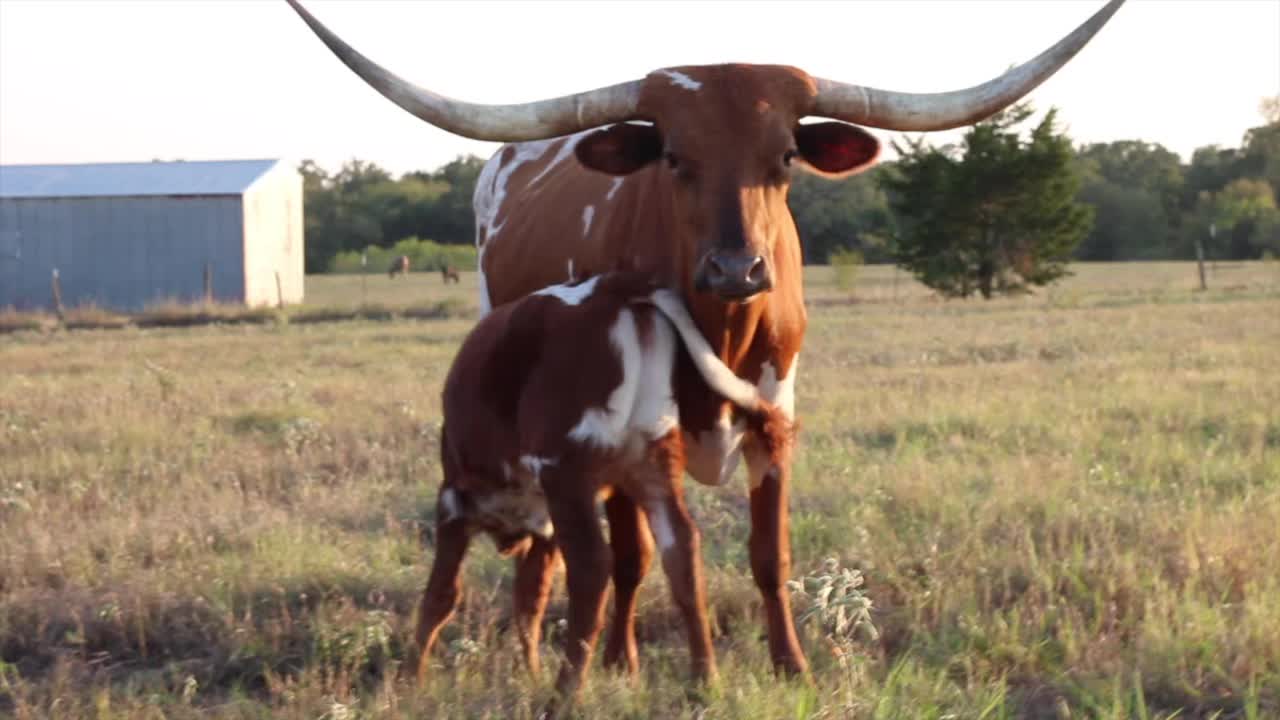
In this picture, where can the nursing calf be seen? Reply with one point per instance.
(555, 402)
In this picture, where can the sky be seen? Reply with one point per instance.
(107, 80)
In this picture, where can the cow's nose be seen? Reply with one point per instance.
(734, 275)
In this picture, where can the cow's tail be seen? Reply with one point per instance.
(764, 417)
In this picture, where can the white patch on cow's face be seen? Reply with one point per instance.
(660, 524)
(617, 183)
(588, 213)
(780, 392)
(679, 79)
(607, 427)
(571, 294)
(714, 454)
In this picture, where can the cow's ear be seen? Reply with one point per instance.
(620, 149)
(836, 149)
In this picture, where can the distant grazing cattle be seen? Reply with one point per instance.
(449, 273)
(684, 173)
(553, 402)
(399, 266)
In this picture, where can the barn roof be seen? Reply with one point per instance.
(217, 177)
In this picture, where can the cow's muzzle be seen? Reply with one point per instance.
(733, 274)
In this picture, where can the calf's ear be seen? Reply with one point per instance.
(620, 149)
(836, 149)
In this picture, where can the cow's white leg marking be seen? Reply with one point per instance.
(681, 80)
(571, 294)
(571, 276)
(588, 213)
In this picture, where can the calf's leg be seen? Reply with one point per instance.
(632, 548)
(535, 570)
(587, 564)
(443, 590)
(679, 541)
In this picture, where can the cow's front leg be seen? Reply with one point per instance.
(632, 548)
(770, 549)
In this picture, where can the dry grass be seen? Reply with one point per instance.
(1064, 503)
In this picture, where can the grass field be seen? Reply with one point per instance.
(1065, 505)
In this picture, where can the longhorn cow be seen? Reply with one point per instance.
(684, 174)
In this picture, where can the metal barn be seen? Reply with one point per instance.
(125, 235)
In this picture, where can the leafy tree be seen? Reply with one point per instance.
(319, 214)
(452, 220)
(835, 216)
(1135, 188)
(996, 215)
(1236, 190)
(361, 206)
(1245, 217)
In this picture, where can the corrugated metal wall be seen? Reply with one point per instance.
(120, 252)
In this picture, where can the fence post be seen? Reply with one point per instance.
(1200, 255)
(364, 276)
(279, 292)
(55, 285)
(208, 283)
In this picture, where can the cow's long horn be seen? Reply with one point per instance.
(503, 123)
(943, 111)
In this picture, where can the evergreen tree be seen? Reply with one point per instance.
(995, 215)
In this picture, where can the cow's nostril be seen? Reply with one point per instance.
(757, 272)
(714, 267)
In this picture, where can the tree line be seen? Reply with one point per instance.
(1002, 186)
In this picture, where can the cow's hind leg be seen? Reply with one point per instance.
(632, 548)
(444, 588)
(571, 500)
(535, 570)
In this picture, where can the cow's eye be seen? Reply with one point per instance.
(788, 156)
